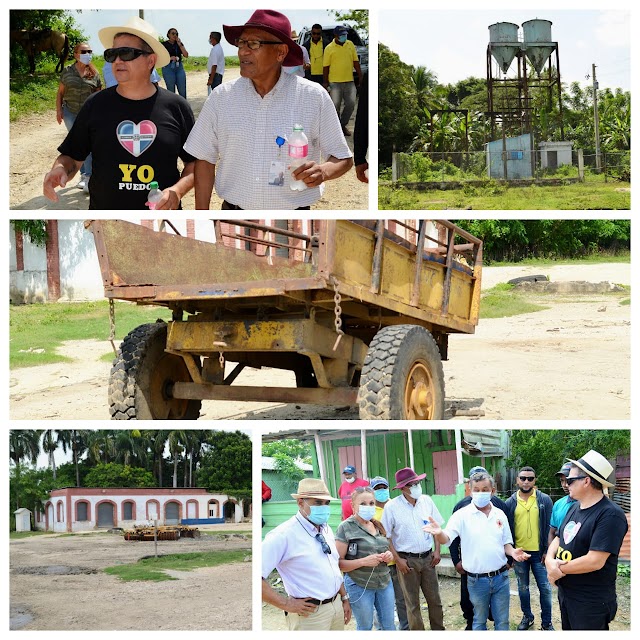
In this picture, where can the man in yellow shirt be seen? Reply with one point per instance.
(315, 47)
(340, 58)
(531, 509)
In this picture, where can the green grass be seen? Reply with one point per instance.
(626, 302)
(37, 94)
(593, 194)
(46, 326)
(245, 532)
(18, 535)
(623, 257)
(153, 569)
(502, 302)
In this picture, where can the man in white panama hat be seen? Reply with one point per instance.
(582, 560)
(303, 550)
(135, 130)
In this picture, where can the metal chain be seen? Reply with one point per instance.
(112, 325)
(337, 310)
(221, 360)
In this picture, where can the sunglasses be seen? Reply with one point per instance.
(570, 481)
(86, 51)
(325, 547)
(527, 478)
(126, 54)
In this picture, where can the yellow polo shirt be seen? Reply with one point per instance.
(316, 53)
(340, 59)
(527, 523)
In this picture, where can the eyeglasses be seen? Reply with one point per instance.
(527, 478)
(86, 51)
(570, 481)
(126, 54)
(173, 33)
(325, 547)
(254, 45)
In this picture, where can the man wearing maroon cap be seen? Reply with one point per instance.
(239, 139)
(403, 519)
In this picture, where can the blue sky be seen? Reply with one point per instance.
(193, 26)
(453, 43)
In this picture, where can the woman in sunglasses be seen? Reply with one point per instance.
(77, 82)
(173, 73)
(364, 553)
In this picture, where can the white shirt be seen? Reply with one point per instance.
(403, 523)
(482, 537)
(237, 129)
(306, 571)
(216, 59)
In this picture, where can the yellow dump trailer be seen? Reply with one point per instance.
(359, 310)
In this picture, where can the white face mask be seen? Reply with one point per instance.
(416, 491)
(481, 498)
(85, 58)
(350, 480)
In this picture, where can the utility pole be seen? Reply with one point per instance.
(595, 118)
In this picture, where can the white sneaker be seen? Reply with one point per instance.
(83, 182)
(85, 186)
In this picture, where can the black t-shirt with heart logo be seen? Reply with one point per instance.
(133, 143)
(601, 527)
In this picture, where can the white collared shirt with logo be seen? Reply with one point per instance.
(482, 537)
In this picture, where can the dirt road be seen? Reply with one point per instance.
(569, 362)
(34, 140)
(56, 583)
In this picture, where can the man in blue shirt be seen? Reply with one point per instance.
(563, 505)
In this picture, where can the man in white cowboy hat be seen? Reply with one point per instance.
(240, 136)
(303, 550)
(583, 558)
(135, 130)
(412, 549)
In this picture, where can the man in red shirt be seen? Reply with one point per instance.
(351, 482)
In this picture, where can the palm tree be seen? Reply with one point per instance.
(76, 441)
(176, 441)
(23, 445)
(50, 443)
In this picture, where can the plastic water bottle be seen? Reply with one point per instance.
(155, 195)
(298, 152)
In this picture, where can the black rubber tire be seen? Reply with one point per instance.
(396, 354)
(139, 375)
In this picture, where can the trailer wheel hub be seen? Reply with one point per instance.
(419, 393)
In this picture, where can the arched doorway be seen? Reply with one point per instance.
(105, 514)
(172, 513)
(229, 511)
(49, 524)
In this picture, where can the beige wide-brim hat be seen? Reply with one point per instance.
(141, 28)
(312, 488)
(595, 465)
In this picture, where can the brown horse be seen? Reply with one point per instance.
(42, 41)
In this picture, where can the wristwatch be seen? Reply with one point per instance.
(345, 597)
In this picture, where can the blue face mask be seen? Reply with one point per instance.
(366, 512)
(319, 514)
(292, 70)
(382, 495)
(342, 39)
(481, 498)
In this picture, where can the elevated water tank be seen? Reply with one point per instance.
(537, 42)
(503, 43)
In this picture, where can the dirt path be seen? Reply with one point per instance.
(34, 140)
(57, 584)
(571, 361)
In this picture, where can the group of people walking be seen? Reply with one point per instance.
(385, 552)
(134, 133)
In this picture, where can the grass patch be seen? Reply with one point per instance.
(622, 257)
(46, 326)
(18, 535)
(626, 302)
(502, 302)
(153, 569)
(246, 532)
(593, 194)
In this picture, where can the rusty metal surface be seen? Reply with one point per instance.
(336, 396)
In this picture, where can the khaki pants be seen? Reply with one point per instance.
(327, 617)
(422, 577)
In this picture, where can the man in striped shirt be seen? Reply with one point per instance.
(239, 138)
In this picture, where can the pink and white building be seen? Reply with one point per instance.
(74, 509)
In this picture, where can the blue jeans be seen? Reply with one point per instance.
(217, 80)
(363, 602)
(540, 574)
(69, 118)
(174, 76)
(343, 92)
(490, 592)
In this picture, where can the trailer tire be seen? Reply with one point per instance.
(402, 376)
(140, 375)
